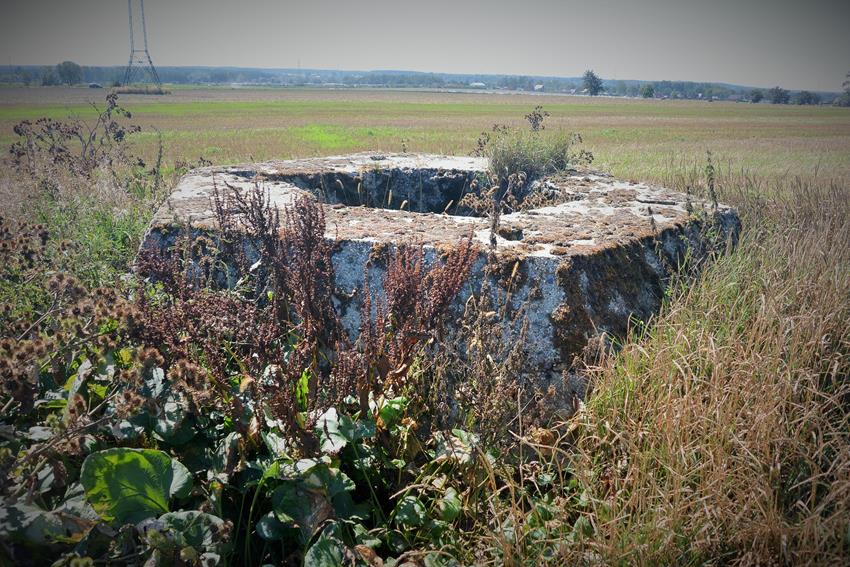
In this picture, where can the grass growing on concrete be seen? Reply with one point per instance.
(530, 153)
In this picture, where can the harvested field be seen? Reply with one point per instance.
(635, 139)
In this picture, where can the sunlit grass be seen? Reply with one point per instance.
(630, 138)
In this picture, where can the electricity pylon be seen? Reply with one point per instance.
(140, 64)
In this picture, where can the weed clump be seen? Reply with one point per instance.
(516, 158)
(530, 153)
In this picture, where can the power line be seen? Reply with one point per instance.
(140, 65)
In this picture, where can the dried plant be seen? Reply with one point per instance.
(75, 146)
(536, 117)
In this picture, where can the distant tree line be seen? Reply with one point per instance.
(70, 73)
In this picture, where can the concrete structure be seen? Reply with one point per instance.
(582, 254)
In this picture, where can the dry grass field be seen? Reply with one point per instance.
(631, 138)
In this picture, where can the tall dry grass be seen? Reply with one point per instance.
(723, 434)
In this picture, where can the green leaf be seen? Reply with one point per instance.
(226, 454)
(392, 411)
(582, 527)
(363, 536)
(302, 389)
(97, 392)
(457, 448)
(276, 443)
(327, 428)
(195, 529)
(449, 505)
(336, 431)
(410, 512)
(329, 480)
(295, 505)
(51, 404)
(22, 522)
(438, 560)
(336, 485)
(270, 528)
(128, 485)
(40, 433)
(154, 383)
(174, 425)
(124, 357)
(75, 386)
(327, 551)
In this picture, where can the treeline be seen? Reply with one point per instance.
(674, 89)
(71, 73)
(593, 85)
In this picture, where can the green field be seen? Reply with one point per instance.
(631, 138)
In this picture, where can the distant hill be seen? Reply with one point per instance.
(36, 75)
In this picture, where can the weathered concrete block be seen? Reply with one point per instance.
(587, 252)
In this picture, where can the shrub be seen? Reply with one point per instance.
(512, 152)
(529, 153)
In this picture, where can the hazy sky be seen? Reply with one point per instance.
(793, 43)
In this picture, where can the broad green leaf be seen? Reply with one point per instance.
(449, 505)
(174, 425)
(226, 454)
(196, 529)
(270, 528)
(327, 427)
(582, 527)
(154, 383)
(327, 551)
(410, 512)
(124, 357)
(392, 411)
(75, 504)
(364, 537)
(336, 431)
(30, 524)
(40, 433)
(336, 485)
(129, 485)
(438, 560)
(326, 479)
(51, 404)
(276, 443)
(96, 391)
(295, 505)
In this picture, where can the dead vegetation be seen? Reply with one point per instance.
(721, 434)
